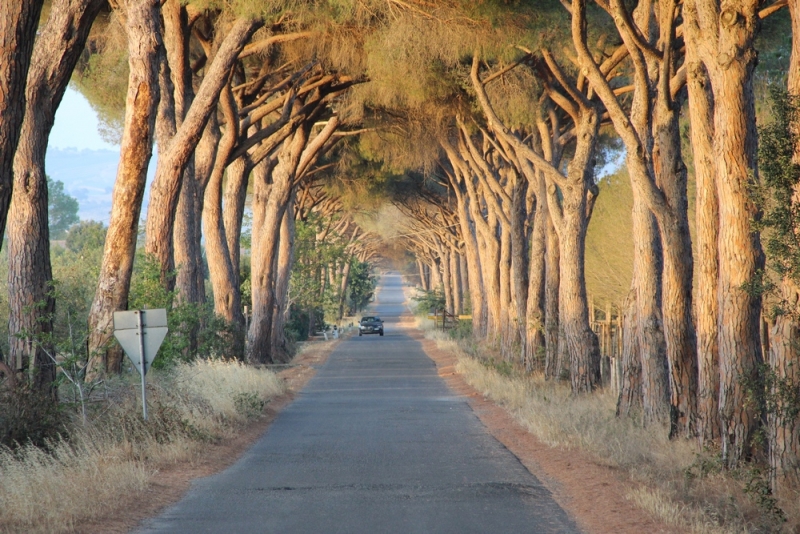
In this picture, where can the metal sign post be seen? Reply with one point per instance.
(141, 332)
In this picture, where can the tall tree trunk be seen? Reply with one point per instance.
(701, 116)
(227, 297)
(165, 190)
(423, 276)
(238, 176)
(644, 331)
(270, 209)
(519, 266)
(279, 350)
(293, 155)
(19, 20)
(554, 367)
(535, 309)
(455, 280)
(447, 286)
(723, 37)
(32, 304)
(144, 48)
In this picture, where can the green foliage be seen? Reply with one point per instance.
(185, 320)
(62, 209)
(86, 236)
(781, 179)
(429, 301)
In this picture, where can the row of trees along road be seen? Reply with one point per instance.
(484, 125)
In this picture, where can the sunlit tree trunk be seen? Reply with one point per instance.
(144, 48)
(32, 303)
(227, 298)
(19, 20)
(269, 210)
(723, 39)
(455, 280)
(173, 159)
(534, 309)
(554, 365)
(701, 116)
(519, 267)
(279, 351)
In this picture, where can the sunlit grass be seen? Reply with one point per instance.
(82, 478)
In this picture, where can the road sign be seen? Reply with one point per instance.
(153, 331)
(141, 332)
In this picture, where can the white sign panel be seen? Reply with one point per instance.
(141, 332)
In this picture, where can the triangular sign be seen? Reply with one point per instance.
(154, 330)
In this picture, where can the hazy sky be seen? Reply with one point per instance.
(76, 125)
(78, 157)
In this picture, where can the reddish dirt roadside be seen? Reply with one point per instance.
(594, 495)
(171, 483)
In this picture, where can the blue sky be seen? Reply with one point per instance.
(80, 158)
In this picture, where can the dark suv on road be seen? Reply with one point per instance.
(370, 325)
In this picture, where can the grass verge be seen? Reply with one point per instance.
(674, 481)
(80, 476)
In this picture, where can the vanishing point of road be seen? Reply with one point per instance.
(375, 443)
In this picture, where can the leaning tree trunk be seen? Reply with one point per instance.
(227, 298)
(265, 247)
(19, 21)
(285, 259)
(144, 48)
(31, 300)
(165, 190)
(455, 280)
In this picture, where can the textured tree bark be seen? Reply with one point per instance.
(655, 166)
(554, 367)
(294, 155)
(423, 276)
(723, 38)
(707, 229)
(165, 190)
(629, 402)
(238, 176)
(279, 350)
(144, 48)
(269, 208)
(644, 332)
(57, 49)
(519, 268)
(468, 232)
(19, 20)
(455, 281)
(447, 285)
(224, 279)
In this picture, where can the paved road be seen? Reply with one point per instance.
(376, 443)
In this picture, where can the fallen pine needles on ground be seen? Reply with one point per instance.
(80, 475)
(675, 481)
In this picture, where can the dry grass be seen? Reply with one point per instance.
(672, 480)
(78, 479)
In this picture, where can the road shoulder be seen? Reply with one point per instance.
(593, 494)
(169, 485)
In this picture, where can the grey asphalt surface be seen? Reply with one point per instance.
(375, 443)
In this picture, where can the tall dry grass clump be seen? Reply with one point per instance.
(80, 477)
(673, 480)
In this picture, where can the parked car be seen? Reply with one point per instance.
(370, 325)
